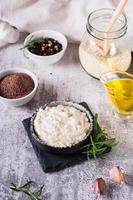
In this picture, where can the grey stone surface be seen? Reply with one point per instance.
(65, 80)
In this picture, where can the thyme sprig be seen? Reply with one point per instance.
(26, 188)
(99, 144)
(32, 41)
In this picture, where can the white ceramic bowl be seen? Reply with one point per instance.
(23, 100)
(46, 59)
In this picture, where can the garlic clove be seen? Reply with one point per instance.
(8, 34)
(100, 187)
(117, 175)
(12, 35)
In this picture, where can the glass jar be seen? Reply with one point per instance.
(94, 57)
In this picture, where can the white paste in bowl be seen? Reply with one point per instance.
(61, 126)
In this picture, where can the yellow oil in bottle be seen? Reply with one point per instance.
(120, 93)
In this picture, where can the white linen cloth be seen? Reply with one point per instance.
(66, 16)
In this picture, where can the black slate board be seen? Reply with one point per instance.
(51, 162)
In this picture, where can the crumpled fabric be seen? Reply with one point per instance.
(66, 16)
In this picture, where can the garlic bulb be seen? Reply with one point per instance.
(100, 187)
(8, 34)
(117, 175)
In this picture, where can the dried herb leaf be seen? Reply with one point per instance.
(26, 188)
(99, 144)
(32, 41)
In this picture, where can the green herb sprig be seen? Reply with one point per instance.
(99, 144)
(32, 41)
(26, 188)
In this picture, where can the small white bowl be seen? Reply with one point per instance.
(23, 100)
(51, 59)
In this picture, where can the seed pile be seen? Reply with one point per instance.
(44, 46)
(16, 85)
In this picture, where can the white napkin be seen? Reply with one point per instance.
(66, 16)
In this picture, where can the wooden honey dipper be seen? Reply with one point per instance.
(104, 46)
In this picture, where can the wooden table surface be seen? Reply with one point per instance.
(65, 80)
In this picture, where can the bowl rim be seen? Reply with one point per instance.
(41, 31)
(21, 70)
(55, 103)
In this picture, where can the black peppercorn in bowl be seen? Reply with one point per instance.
(45, 46)
(74, 148)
